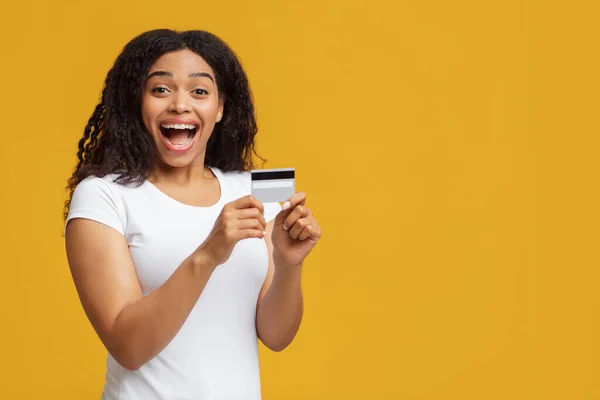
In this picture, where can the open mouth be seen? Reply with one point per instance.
(179, 136)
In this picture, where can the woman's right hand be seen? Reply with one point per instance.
(240, 219)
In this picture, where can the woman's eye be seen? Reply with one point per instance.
(200, 92)
(159, 90)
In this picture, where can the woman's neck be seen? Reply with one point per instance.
(180, 176)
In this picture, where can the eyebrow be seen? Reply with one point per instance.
(194, 75)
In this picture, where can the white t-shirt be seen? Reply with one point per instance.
(215, 354)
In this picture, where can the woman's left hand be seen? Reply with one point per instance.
(295, 232)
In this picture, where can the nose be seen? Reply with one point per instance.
(180, 103)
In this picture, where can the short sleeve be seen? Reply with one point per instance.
(93, 199)
(271, 210)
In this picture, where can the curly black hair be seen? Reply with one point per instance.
(115, 139)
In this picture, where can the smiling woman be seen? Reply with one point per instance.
(178, 268)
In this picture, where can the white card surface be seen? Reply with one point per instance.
(273, 185)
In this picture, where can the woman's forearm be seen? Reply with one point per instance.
(280, 311)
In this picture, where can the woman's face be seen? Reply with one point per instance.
(180, 107)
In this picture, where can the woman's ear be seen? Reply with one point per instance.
(220, 110)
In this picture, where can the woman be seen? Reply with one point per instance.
(178, 268)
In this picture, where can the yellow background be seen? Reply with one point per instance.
(449, 151)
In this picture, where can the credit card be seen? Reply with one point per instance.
(273, 185)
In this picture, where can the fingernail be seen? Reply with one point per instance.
(286, 205)
(285, 227)
(264, 233)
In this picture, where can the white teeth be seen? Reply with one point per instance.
(189, 140)
(178, 126)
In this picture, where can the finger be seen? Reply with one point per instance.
(312, 232)
(250, 223)
(296, 213)
(297, 198)
(251, 213)
(248, 201)
(249, 233)
(305, 233)
(299, 226)
(315, 232)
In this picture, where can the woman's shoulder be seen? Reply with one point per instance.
(111, 181)
(107, 187)
(93, 183)
(99, 199)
